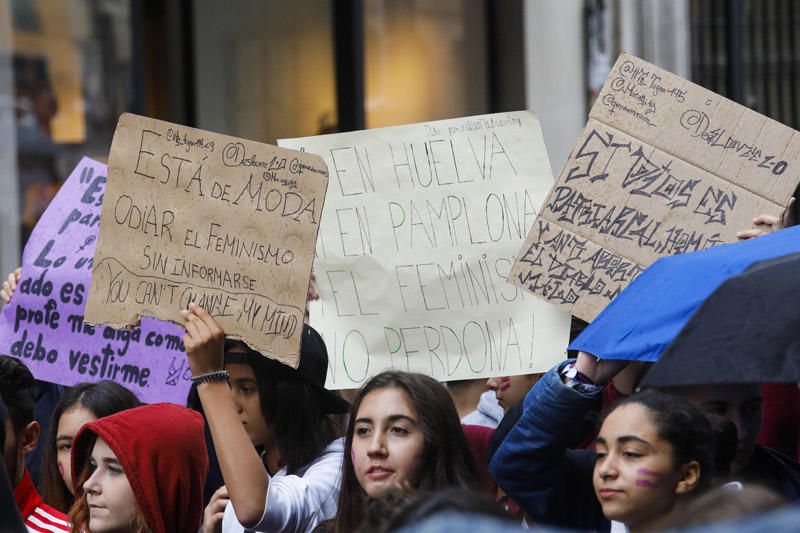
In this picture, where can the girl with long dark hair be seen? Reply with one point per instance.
(654, 452)
(404, 432)
(272, 431)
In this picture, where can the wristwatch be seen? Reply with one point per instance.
(576, 380)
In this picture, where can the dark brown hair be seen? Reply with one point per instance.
(293, 408)
(399, 509)
(101, 399)
(684, 426)
(18, 391)
(447, 460)
(727, 503)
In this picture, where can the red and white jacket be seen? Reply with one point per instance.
(38, 516)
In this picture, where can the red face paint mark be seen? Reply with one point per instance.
(61, 469)
(645, 483)
(505, 384)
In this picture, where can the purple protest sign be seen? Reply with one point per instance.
(43, 325)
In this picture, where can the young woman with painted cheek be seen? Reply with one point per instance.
(636, 478)
(654, 452)
(81, 404)
(388, 444)
(112, 504)
(403, 431)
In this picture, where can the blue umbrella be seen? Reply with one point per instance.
(645, 317)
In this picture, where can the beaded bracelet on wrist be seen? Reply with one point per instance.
(208, 377)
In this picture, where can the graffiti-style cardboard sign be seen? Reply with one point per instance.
(44, 326)
(663, 167)
(421, 226)
(195, 216)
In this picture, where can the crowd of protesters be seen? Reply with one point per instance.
(264, 447)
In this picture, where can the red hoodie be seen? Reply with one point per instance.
(162, 450)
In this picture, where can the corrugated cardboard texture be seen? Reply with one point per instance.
(191, 215)
(662, 167)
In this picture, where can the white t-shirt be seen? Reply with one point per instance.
(618, 527)
(298, 502)
(488, 414)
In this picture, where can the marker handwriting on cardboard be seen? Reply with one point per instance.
(419, 234)
(195, 216)
(663, 167)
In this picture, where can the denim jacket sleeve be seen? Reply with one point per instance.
(534, 467)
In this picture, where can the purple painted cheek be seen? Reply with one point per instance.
(646, 482)
(647, 472)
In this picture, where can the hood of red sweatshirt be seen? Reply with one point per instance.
(162, 450)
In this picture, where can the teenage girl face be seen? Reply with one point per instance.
(68, 425)
(112, 504)
(635, 478)
(388, 443)
(248, 404)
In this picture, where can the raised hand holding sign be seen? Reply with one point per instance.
(194, 216)
(663, 167)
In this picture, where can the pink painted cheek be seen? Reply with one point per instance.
(61, 469)
(647, 482)
(647, 472)
(352, 456)
(505, 384)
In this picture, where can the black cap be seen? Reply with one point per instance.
(313, 368)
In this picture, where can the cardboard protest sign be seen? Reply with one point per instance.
(663, 167)
(228, 223)
(44, 326)
(420, 230)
